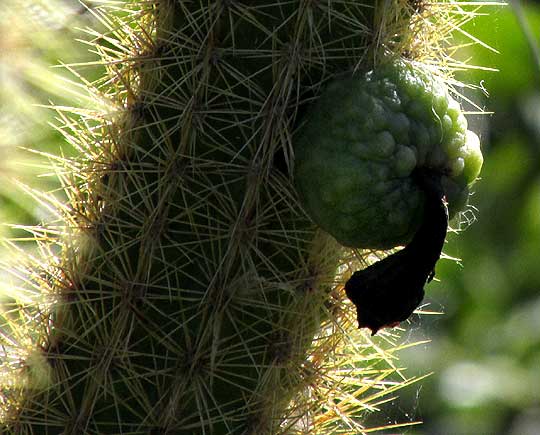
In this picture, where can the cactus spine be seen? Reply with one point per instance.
(191, 294)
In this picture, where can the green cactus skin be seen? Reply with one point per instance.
(361, 142)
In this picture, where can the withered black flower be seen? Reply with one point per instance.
(387, 292)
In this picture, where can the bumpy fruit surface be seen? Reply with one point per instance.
(360, 144)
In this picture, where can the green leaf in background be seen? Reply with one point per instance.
(511, 55)
(36, 36)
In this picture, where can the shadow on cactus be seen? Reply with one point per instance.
(184, 290)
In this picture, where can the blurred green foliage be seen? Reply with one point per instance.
(485, 348)
(37, 35)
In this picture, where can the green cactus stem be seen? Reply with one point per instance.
(183, 289)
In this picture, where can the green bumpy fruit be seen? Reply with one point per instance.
(355, 155)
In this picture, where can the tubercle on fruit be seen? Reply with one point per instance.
(387, 292)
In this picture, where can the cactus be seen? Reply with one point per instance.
(185, 290)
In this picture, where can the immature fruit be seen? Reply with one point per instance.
(360, 144)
